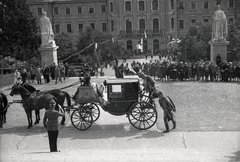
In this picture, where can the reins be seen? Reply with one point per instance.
(76, 83)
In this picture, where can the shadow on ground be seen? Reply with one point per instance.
(235, 157)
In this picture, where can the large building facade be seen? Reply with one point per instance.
(156, 21)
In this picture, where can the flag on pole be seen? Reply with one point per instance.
(141, 45)
(96, 45)
(145, 34)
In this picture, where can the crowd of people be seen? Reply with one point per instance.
(165, 70)
(47, 72)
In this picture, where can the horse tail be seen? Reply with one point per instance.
(68, 98)
(5, 100)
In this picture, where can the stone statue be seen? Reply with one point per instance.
(47, 35)
(219, 27)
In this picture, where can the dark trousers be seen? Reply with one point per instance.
(52, 76)
(167, 117)
(52, 136)
(47, 78)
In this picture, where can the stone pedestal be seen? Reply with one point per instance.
(218, 47)
(48, 54)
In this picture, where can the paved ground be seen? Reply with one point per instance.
(112, 139)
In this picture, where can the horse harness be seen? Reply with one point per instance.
(31, 96)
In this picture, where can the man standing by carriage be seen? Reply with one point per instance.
(50, 122)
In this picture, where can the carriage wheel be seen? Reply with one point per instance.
(142, 115)
(95, 112)
(81, 119)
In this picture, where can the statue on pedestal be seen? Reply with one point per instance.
(219, 27)
(47, 35)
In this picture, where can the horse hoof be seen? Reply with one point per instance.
(36, 123)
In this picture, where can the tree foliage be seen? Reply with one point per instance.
(65, 44)
(18, 36)
(234, 40)
(194, 45)
(106, 49)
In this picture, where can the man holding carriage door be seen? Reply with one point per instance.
(168, 110)
(150, 87)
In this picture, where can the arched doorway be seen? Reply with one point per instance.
(129, 45)
(155, 44)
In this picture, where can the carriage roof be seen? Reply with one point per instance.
(122, 80)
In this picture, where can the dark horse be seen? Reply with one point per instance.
(36, 100)
(58, 94)
(3, 108)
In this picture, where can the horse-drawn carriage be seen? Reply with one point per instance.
(124, 97)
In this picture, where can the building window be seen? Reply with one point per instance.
(56, 11)
(141, 25)
(128, 6)
(128, 26)
(193, 21)
(205, 20)
(129, 45)
(103, 8)
(155, 26)
(68, 11)
(181, 24)
(111, 6)
(91, 10)
(39, 10)
(69, 28)
(92, 25)
(180, 5)
(155, 44)
(80, 27)
(218, 2)
(57, 28)
(141, 6)
(205, 5)
(104, 27)
(155, 5)
(172, 23)
(193, 5)
(231, 3)
(112, 25)
(172, 4)
(79, 10)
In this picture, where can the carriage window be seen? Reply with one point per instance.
(115, 91)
